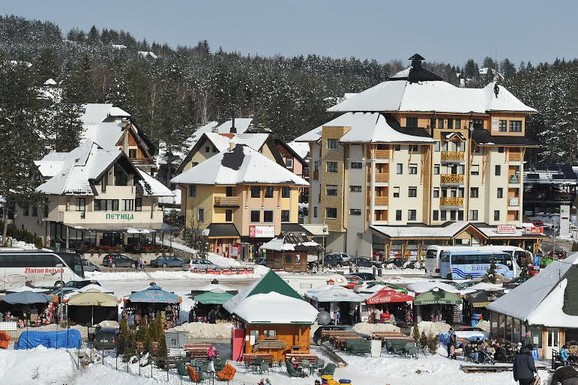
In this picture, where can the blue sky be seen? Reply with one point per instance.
(449, 31)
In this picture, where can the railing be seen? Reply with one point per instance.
(452, 156)
(142, 161)
(381, 201)
(452, 201)
(452, 178)
(381, 154)
(515, 156)
(226, 201)
(379, 178)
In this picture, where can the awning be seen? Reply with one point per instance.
(26, 298)
(154, 294)
(438, 297)
(93, 298)
(213, 298)
(388, 295)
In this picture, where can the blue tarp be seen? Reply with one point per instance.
(69, 338)
(153, 294)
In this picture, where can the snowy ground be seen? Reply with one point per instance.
(42, 366)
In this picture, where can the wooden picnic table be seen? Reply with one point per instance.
(198, 351)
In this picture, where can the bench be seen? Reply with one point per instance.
(357, 346)
(401, 347)
(388, 335)
(253, 358)
(198, 351)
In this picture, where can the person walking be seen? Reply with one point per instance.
(523, 366)
(452, 344)
(211, 354)
(564, 355)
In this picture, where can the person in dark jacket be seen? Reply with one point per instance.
(562, 374)
(523, 367)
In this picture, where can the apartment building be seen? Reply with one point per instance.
(239, 198)
(409, 156)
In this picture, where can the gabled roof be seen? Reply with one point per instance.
(95, 113)
(301, 149)
(241, 165)
(291, 241)
(369, 127)
(275, 308)
(547, 299)
(429, 96)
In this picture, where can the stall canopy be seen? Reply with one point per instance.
(26, 298)
(387, 295)
(438, 297)
(154, 294)
(332, 293)
(214, 297)
(93, 298)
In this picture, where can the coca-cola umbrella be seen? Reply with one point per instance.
(387, 295)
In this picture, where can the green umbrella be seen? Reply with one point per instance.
(212, 298)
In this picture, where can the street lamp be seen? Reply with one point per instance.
(323, 259)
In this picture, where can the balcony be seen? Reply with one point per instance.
(452, 156)
(515, 156)
(381, 154)
(514, 202)
(452, 179)
(379, 178)
(452, 202)
(226, 202)
(381, 201)
(514, 179)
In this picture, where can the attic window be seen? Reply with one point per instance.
(411, 122)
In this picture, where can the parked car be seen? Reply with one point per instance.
(105, 338)
(365, 276)
(88, 266)
(335, 260)
(71, 286)
(198, 264)
(114, 260)
(167, 261)
(363, 262)
(397, 262)
(471, 333)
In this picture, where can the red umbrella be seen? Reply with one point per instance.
(388, 295)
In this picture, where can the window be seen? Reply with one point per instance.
(255, 192)
(475, 169)
(436, 192)
(289, 162)
(106, 205)
(34, 211)
(515, 126)
(460, 215)
(411, 122)
(411, 215)
(132, 153)
(450, 123)
(315, 212)
(500, 193)
(432, 122)
(500, 150)
(436, 215)
(138, 204)
(437, 146)
(478, 123)
(354, 211)
(128, 204)
(399, 168)
(207, 149)
(356, 165)
(396, 191)
(229, 191)
(443, 215)
(255, 216)
(228, 215)
(458, 123)
(413, 168)
(193, 190)
(331, 212)
(474, 192)
(412, 192)
(440, 123)
(269, 192)
(81, 204)
(268, 216)
(498, 170)
(285, 215)
(332, 144)
(473, 215)
(355, 188)
(413, 148)
(398, 215)
(331, 190)
(201, 215)
(503, 126)
(285, 192)
(215, 150)
(452, 215)
(496, 215)
(331, 166)
(397, 147)
(436, 169)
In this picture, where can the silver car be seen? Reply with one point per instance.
(196, 264)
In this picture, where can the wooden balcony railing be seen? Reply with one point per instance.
(452, 179)
(226, 201)
(381, 201)
(452, 156)
(515, 156)
(379, 178)
(382, 154)
(452, 201)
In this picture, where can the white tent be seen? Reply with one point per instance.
(332, 293)
(275, 308)
(422, 287)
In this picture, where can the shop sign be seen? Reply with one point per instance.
(261, 231)
(506, 229)
(119, 217)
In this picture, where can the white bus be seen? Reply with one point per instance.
(40, 267)
(470, 264)
(432, 256)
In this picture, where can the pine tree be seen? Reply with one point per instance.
(415, 334)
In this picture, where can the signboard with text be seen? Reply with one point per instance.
(256, 231)
(506, 229)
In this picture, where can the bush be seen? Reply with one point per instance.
(432, 343)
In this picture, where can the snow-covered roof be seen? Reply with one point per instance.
(175, 199)
(275, 308)
(242, 165)
(105, 134)
(421, 231)
(366, 127)
(51, 164)
(152, 187)
(300, 148)
(95, 113)
(541, 300)
(84, 163)
(289, 242)
(333, 293)
(223, 140)
(424, 286)
(428, 96)
(146, 54)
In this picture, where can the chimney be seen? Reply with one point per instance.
(233, 128)
(416, 60)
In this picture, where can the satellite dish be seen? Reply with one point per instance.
(323, 318)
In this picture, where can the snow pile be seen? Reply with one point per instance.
(432, 328)
(223, 261)
(40, 366)
(158, 275)
(367, 328)
(200, 330)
